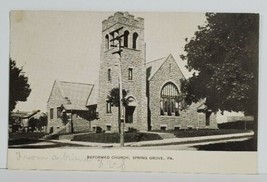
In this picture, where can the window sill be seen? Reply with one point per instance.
(108, 114)
(108, 50)
(132, 49)
(168, 116)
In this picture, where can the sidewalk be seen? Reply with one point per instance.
(170, 141)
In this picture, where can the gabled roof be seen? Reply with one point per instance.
(76, 94)
(92, 99)
(202, 107)
(153, 66)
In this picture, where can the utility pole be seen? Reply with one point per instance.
(117, 37)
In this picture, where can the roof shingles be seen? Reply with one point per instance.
(76, 93)
(153, 66)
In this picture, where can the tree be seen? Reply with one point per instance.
(224, 57)
(38, 123)
(32, 123)
(19, 89)
(42, 121)
(114, 99)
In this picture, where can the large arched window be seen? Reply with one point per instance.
(126, 35)
(135, 35)
(169, 96)
(107, 42)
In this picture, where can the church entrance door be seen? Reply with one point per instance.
(129, 114)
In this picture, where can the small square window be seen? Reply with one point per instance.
(94, 128)
(108, 127)
(163, 128)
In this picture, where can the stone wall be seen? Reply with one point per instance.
(239, 118)
(54, 101)
(80, 121)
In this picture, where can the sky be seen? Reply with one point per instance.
(63, 45)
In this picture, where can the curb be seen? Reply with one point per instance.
(190, 141)
(172, 141)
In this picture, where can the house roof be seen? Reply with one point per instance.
(76, 94)
(153, 66)
(202, 107)
(24, 114)
(92, 99)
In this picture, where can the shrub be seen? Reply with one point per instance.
(132, 130)
(115, 137)
(98, 129)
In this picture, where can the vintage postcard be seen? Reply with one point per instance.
(134, 91)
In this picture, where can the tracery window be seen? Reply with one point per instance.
(168, 103)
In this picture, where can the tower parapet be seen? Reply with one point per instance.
(123, 18)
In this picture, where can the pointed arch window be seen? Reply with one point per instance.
(107, 42)
(126, 35)
(135, 35)
(168, 96)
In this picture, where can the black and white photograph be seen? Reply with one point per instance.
(132, 81)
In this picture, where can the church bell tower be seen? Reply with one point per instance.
(122, 57)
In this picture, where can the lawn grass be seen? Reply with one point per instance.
(30, 135)
(23, 141)
(237, 125)
(139, 136)
(24, 138)
(115, 137)
(247, 145)
(202, 132)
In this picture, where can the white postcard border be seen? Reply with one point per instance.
(207, 5)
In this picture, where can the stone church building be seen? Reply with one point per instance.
(152, 87)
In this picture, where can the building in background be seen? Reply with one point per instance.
(20, 120)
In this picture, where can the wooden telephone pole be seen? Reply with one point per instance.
(118, 38)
